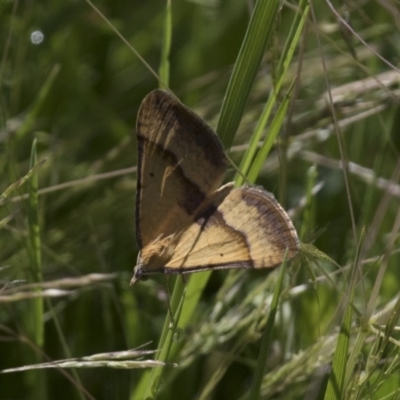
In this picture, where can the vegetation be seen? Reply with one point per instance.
(305, 99)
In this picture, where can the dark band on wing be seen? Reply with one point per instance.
(210, 217)
(194, 196)
(277, 223)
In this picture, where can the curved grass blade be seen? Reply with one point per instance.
(283, 65)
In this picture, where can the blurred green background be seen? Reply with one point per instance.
(77, 91)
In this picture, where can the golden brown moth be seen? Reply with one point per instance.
(185, 220)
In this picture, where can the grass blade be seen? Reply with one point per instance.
(283, 65)
(270, 138)
(34, 313)
(163, 70)
(258, 34)
(267, 337)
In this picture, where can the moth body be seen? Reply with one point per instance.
(185, 220)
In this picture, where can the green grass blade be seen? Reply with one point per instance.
(336, 383)
(270, 138)
(20, 182)
(163, 70)
(35, 251)
(258, 34)
(194, 290)
(149, 385)
(341, 366)
(308, 223)
(34, 312)
(283, 65)
(267, 337)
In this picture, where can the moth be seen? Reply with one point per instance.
(185, 220)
